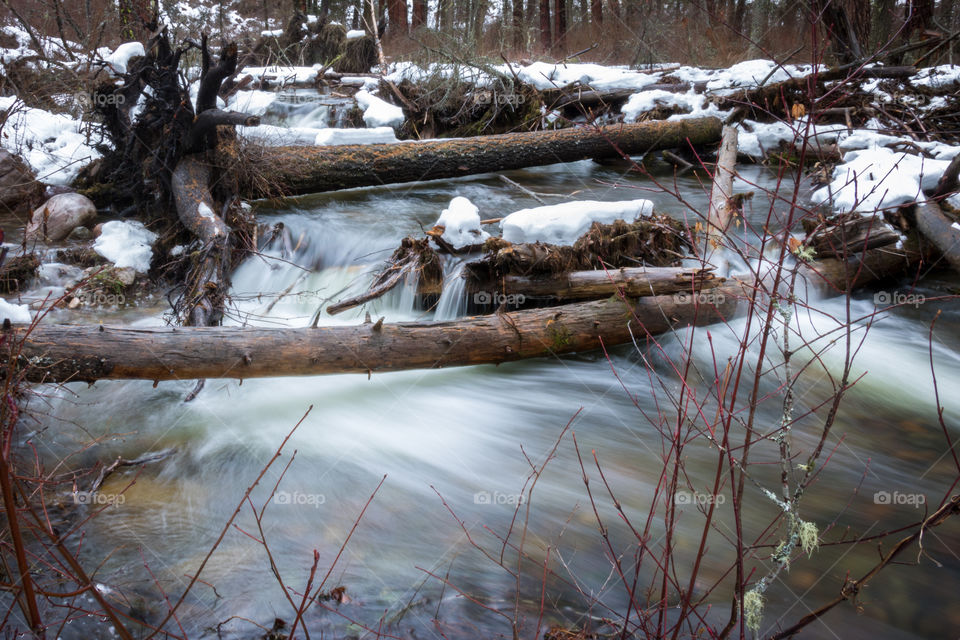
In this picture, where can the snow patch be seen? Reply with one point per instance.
(14, 312)
(121, 56)
(877, 178)
(254, 103)
(562, 224)
(376, 135)
(937, 77)
(544, 75)
(51, 143)
(355, 34)
(127, 244)
(461, 224)
(283, 75)
(271, 135)
(377, 112)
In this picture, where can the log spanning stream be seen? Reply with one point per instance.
(459, 432)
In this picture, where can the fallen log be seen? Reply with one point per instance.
(949, 182)
(859, 269)
(762, 100)
(560, 98)
(67, 353)
(942, 232)
(633, 282)
(281, 171)
(574, 285)
(853, 233)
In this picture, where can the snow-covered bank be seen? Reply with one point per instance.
(876, 178)
(54, 144)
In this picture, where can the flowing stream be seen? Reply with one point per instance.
(455, 448)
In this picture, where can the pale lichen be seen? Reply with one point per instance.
(809, 537)
(753, 602)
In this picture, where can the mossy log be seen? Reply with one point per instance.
(279, 171)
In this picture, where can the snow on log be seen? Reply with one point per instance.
(563, 224)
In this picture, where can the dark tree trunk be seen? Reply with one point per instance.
(546, 41)
(397, 14)
(560, 24)
(518, 30)
(419, 13)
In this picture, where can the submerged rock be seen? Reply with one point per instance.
(59, 216)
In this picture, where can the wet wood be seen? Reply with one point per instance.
(279, 171)
(195, 206)
(721, 210)
(575, 285)
(203, 301)
(384, 283)
(950, 180)
(854, 235)
(82, 353)
(859, 269)
(585, 285)
(15, 272)
(940, 230)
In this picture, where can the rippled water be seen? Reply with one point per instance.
(455, 448)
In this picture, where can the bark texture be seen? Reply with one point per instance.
(278, 171)
(78, 353)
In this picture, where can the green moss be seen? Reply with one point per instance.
(108, 280)
(559, 335)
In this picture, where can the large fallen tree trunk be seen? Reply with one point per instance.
(74, 353)
(64, 353)
(278, 171)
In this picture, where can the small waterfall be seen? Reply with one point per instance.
(338, 116)
(453, 301)
(403, 299)
(309, 109)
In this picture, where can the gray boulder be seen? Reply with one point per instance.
(55, 219)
